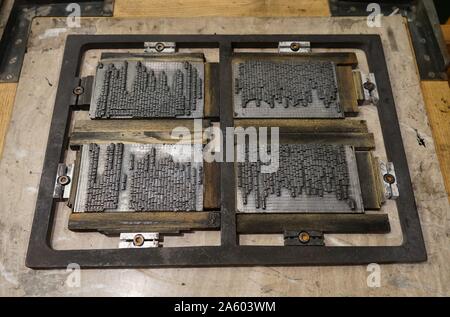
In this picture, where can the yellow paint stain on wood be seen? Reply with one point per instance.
(437, 102)
(228, 8)
(7, 95)
(446, 32)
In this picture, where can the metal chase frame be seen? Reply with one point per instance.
(229, 253)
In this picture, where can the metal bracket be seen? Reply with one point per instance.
(294, 47)
(159, 47)
(304, 238)
(82, 91)
(63, 181)
(13, 44)
(139, 240)
(389, 180)
(366, 87)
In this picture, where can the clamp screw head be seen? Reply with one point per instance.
(295, 46)
(78, 90)
(389, 178)
(304, 237)
(159, 47)
(369, 86)
(138, 240)
(63, 180)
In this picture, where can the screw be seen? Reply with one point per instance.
(138, 240)
(389, 178)
(159, 47)
(304, 237)
(78, 90)
(295, 46)
(63, 180)
(369, 86)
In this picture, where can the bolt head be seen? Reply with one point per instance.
(63, 180)
(138, 240)
(304, 237)
(389, 178)
(369, 85)
(78, 90)
(159, 47)
(295, 46)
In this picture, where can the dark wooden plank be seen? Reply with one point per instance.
(347, 91)
(259, 223)
(211, 186)
(152, 221)
(211, 90)
(360, 141)
(357, 83)
(370, 184)
(154, 57)
(74, 181)
(339, 58)
(133, 131)
(378, 178)
(306, 125)
(120, 125)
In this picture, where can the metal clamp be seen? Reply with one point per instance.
(366, 88)
(304, 238)
(63, 181)
(159, 47)
(82, 91)
(294, 47)
(139, 240)
(389, 180)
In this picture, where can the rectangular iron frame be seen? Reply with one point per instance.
(41, 255)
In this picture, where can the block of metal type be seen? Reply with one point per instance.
(289, 89)
(139, 177)
(310, 178)
(145, 88)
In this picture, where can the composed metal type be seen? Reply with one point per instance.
(310, 178)
(286, 89)
(147, 89)
(139, 177)
(41, 254)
